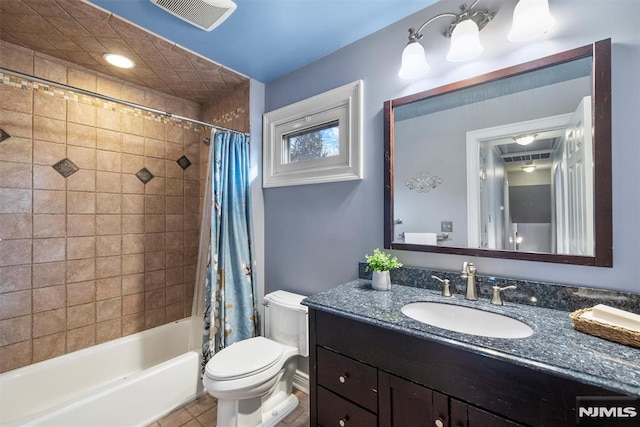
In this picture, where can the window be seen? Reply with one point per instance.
(315, 140)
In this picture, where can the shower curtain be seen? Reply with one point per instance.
(230, 303)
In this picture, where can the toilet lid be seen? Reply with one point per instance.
(244, 358)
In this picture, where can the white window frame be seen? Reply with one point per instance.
(343, 104)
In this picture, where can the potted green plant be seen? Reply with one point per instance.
(380, 263)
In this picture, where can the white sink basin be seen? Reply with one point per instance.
(467, 320)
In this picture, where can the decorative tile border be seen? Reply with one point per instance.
(4, 135)
(528, 292)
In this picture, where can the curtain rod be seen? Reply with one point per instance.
(116, 100)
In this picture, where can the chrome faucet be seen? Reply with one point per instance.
(469, 273)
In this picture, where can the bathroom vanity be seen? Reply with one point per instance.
(371, 365)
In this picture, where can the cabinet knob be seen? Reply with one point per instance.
(343, 422)
(343, 378)
(438, 423)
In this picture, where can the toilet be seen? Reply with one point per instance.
(252, 379)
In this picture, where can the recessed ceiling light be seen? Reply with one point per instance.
(525, 139)
(118, 60)
(528, 169)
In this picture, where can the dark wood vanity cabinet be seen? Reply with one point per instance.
(362, 375)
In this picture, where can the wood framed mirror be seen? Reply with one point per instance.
(460, 179)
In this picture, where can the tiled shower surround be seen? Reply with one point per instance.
(99, 254)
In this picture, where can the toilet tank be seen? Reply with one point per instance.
(286, 320)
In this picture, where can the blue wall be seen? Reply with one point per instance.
(316, 234)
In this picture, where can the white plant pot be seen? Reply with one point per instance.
(381, 281)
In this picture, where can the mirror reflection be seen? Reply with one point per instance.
(506, 165)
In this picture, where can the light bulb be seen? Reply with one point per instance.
(118, 60)
(414, 63)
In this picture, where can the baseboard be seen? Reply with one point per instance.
(301, 381)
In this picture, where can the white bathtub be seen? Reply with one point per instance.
(131, 381)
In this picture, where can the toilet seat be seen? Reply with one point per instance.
(244, 358)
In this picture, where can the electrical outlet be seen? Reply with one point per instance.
(446, 226)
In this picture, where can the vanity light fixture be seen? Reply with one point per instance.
(118, 60)
(525, 139)
(531, 19)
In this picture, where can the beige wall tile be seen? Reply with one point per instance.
(14, 304)
(193, 173)
(109, 140)
(81, 315)
(81, 338)
(132, 224)
(15, 356)
(154, 242)
(174, 312)
(132, 323)
(49, 106)
(155, 223)
(132, 163)
(173, 169)
(15, 330)
(108, 203)
(109, 182)
(132, 243)
(110, 287)
(81, 113)
(48, 250)
(175, 222)
(133, 204)
(48, 153)
(175, 294)
(174, 151)
(175, 205)
(16, 99)
(175, 258)
(49, 274)
(109, 161)
(49, 298)
(16, 149)
(108, 309)
(47, 129)
(15, 175)
(191, 255)
(49, 226)
(155, 166)
(47, 178)
(81, 270)
(132, 284)
(154, 279)
(15, 226)
(108, 267)
(132, 143)
(154, 299)
(108, 119)
(49, 202)
(83, 157)
(80, 202)
(15, 201)
(15, 252)
(174, 240)
(50, 70)
(50, 346)
(15, 278)
(154, 130)
(109, 245)
(154, 204)
(175, 276)
(108, 224)
(154, 147)
(17, 124)
(131, 184)
(86, 80)
(132, 304)
(154, 317)
(132, 125)
(49, 322)
(174, 187)
(82, 180)
(81, 135)
(81, 247)
(81, 293)
(81, 225)
(16, 58)
(133, 263)
(109, 330)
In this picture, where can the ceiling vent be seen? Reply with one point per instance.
(204, 14)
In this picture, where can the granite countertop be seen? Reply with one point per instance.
(554, 347)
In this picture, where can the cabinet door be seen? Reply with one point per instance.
(407, 404)
(335, 411)
(463, 415)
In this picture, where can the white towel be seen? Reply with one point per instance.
(614, 316)
(421, 238)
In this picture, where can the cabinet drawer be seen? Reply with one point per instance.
(348, 378)
(334, 411)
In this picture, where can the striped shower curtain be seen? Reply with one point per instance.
(230, 313)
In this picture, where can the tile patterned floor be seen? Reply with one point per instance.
(203, 412)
